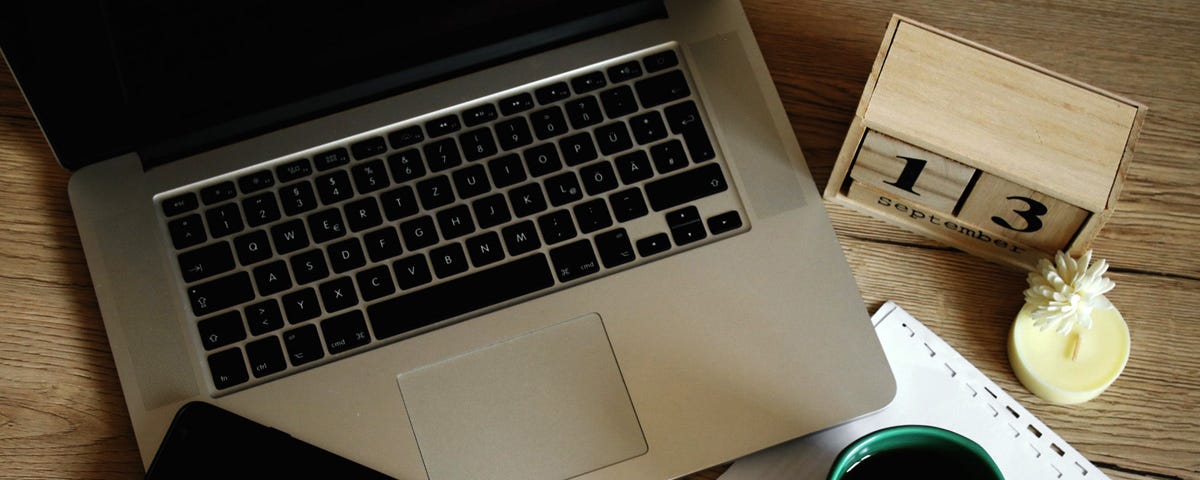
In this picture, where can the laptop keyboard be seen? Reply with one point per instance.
(303, 260)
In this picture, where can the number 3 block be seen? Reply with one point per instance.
(1021, 214)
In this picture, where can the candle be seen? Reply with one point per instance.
(1071, 368)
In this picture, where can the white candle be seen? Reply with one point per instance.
(1071, 368)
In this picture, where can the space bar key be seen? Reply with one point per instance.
(473, 292)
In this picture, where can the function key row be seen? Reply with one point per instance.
(617, 102)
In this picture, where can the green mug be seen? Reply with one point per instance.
(927, 452)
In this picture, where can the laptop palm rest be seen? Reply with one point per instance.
(549, 404)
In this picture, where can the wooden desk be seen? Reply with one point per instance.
(61, 410)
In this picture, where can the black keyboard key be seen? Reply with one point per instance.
(724, 222)
(471, 181)
(542, 159)
(634, 167)
(618, 101)
(331, 159)
(383, 244)
(217, 193)
(289, 236)
(412, 271)
(477, 144)
(264, 317)
(628, 204)
(252, 247)
(442, 126)
(184, 202)
(485, 249)
(598, 177)
(224, 220)
(442, 155)
(669, 156)
(446, 300)
(256, 181)
(491, 210)
(660, 89)
(592, 215)
(345, 332)
(346, 255)
(338, 294)
(448, 260)
(370, 176)
(548, 122)
(684, 118)
(265, 356)
(520, 238)
(301, 306)
(455, 222)
(362, 214)
(578, 148)
(563, 189)
(624, 71)
(516, 104)
(684, 187)
(293, 170)
(221, 330)
(615, 248)
(613, 138)
(435, 192)
(418, 233)
(309, 267)
(556, 227)
(368, 148)
(272, 278)
(506, 170)
(648, 127)
(653, 244)
(303, 345)
(228, 368)
(584, 112)
(261, 209)
(297, 198)
(406, 136)
(527, 199)
(326, 225)
(573, 261)
(479, 115)
(552, 93)
(219, 294)
(660, 61)
(399, 203)
(206, 261)
(588, 82)
(513, 133)
(406, 165)
(375, 283)
(334, 187)
(686, 226)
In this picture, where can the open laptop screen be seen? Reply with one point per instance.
(167, 79)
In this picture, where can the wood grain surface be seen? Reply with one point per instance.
(62, 414)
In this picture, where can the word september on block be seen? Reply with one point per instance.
(1016, 162)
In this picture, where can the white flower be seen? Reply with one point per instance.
(1065, 293)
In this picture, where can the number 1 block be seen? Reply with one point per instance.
(1019, 213)
(911, 173)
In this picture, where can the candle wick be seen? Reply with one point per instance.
(1075, 349)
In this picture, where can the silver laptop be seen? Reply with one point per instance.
(454, 240)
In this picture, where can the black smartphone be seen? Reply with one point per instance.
(207, 442)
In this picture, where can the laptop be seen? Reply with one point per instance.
(456, 239)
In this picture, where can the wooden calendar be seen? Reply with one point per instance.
(983, 151)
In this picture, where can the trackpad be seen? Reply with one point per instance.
(550, 404)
